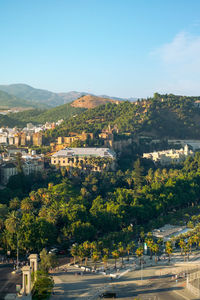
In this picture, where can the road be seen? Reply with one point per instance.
(8, 280)
(130, 286)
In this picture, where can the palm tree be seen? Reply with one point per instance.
(12, 222)
(115, 255)
(14, 203)
(74, 251)
(121, 251)
(139, 252)
(150, 244)
(169, 249)
(86, 247)
(95, 258)
(26, 205)
(196, 240)
(105, 261)
(190, 243)
(182, 245)
(81, 253)
(155, 249)
(93, 246)
(186, 251)
(106, 251)
(129, 248)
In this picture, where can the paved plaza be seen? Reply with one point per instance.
(154, 282)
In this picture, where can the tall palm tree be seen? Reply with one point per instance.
(121, 251)
(115, 255)
(190, 243)
(169, 249)
(12, 222)
(129, 248)
(106, 251)
(87, 248)
(186, 251)
(93, 246)
(196, 240)
(139, 252)
(155, 249)
(182, 245)
(81, 253)
(95, 258)
(150, 244)
(74, 252)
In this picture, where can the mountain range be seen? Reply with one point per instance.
(29, 96)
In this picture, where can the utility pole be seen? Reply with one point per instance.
(142, 269)
(17, 254)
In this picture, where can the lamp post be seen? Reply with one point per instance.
(142, 268)
(17, 254)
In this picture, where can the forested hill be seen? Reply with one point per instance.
(40, 117)
(7, 101)
(161, 116)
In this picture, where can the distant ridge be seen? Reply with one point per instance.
(45, 97)
(9, 101)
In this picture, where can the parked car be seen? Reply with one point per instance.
(53, 251)
(108, 295)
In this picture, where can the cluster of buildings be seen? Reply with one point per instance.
(30, 163)
(29, 135)
(168, 157)
(94, 159)
(107, 135)
(66, 141)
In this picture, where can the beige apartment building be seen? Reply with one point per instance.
(95, 159)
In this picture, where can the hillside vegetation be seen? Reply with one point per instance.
(161, 116)
(7, 100)
(52, 115)
(34, 96)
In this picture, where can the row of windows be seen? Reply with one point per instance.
(69, 160)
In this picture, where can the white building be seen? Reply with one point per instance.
(167, 157)
(30, 164)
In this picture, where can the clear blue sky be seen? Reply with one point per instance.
(117, 47)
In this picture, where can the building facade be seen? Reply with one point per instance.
(95, 159)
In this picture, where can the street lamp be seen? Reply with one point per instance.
(142, 268)
(17, 253)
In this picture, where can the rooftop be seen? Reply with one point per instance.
(97, 152)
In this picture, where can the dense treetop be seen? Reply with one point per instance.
(106, 206)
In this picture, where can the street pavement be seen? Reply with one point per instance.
(8, 280)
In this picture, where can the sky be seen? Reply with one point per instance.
(124, 48)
